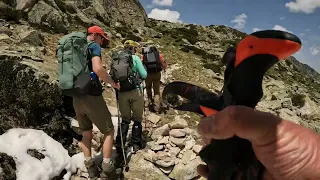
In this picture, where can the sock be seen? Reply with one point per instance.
(106, 160)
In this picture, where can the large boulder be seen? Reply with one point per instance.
(58, 16)
(47, 17)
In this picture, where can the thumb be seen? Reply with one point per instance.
(244, 122)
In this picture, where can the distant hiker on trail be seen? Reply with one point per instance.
(86, 91)
(128, 69)
(154, 62)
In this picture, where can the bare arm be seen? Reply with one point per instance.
(97, 68)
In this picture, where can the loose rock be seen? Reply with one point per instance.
(178, 133)
(190, 142)
(174, 151)
(163, 141)
(166, 162)
(157, 147)
(197, 148)
(178, 123)
(166, 170)
(177, 141)
(161, 131)
(186, 171)
(154, 118)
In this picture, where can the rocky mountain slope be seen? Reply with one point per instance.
(30, 98)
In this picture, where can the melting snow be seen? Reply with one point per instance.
(16, 142)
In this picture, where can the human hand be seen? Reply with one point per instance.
(287, 150)
(116, 85)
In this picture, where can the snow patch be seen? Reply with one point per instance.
(78, 160)
(16, 142)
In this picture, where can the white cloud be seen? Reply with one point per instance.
(306, 6)
(315, 50)
(282, 18)
(240, 21)
(162, 2)
(165, 14)
(256, 29)
(280, 28)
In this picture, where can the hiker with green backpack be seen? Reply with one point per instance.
(127, 69)
(80, 67)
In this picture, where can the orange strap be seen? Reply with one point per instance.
(208, 111)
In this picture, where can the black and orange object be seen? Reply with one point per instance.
(234, 159)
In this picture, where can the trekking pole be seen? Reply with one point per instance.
(144, 107)
(121, 138)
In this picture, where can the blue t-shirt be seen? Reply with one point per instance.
(94, 49)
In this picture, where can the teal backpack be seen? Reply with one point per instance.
(73, 70)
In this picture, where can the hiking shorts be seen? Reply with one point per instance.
(93, 109)
(131, 101)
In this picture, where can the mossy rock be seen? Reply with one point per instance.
(8, 166)
(184, 49)
(215, 68)
(28, 100)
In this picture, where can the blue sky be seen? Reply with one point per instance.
(302, 17)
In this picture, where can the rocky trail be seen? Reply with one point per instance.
(169, 151)
(31, 102)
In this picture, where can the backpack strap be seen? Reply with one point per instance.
(87, 63)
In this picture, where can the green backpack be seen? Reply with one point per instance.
(74, 73)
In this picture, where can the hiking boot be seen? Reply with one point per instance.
(92, 169)
(136, 148)
(137, 141)
(136, 133)
(108, 171)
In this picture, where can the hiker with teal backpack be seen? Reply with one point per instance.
(80, 67)
(128, 70)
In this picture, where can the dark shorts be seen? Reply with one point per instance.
(93, 109)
